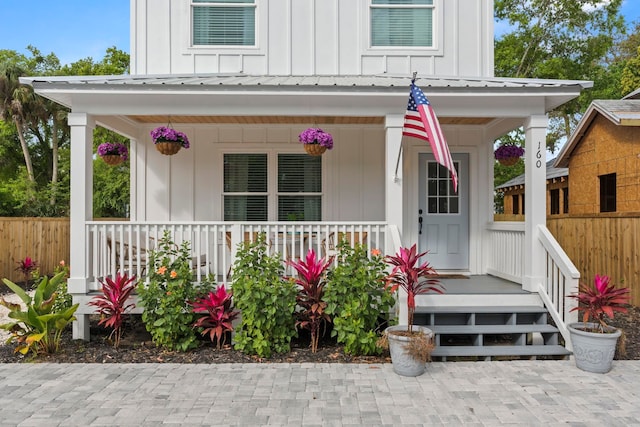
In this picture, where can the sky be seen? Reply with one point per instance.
(77, 29)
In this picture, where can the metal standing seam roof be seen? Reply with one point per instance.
(552, 172)
(342, 82)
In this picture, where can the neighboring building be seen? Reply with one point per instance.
(603, 155)
(242, 79)
(557, 192)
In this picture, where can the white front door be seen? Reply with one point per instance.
(443, 215)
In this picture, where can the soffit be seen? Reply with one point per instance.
(320, 120)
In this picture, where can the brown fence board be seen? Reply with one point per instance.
(45, 240)
(606, 246)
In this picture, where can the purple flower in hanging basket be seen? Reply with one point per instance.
(508, 151)
(316, 136)
(113, 149)
(164, 134)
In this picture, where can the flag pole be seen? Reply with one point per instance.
(395, 175)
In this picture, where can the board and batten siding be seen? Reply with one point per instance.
(313, 37)
(188, 185)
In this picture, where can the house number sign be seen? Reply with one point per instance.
(539, 156)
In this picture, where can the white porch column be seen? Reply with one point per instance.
(394, 203)
(81, 210)
(535, 200)
(393, 191)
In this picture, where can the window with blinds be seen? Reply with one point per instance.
(402, 23)
(245, 196)
(224, 22)
(299, 187)
(246, 190)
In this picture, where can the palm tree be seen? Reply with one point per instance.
(15, 103)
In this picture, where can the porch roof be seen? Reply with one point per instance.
(246, 95)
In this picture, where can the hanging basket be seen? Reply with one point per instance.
(509, 161)
(315, 149)
(112, 159)
(168, 148)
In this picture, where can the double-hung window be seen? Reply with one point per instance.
(402, 23)
(224, 22)
(248, 196)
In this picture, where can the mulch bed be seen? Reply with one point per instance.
(136, 347)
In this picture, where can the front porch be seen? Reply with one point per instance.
(497, 293)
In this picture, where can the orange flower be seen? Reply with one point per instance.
(173, 274)
(375, 252)
(168, 292)
(62, 263)
(162, 270)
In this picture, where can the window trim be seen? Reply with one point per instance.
(272, 178)
(437, 36)
(256, 49)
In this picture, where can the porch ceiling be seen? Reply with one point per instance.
(324, 120)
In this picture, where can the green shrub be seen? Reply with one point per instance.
(40, 327)
(265, 299)
(167, 314)
(357, 298)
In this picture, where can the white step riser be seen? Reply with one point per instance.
(459, 300)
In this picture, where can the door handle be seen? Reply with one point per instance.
(420, 221)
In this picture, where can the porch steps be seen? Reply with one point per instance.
(486, 332)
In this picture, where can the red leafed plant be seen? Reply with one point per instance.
(217, 315)
(26, 267)
(411, 276)
(601, 300)
(311, 281)
(112, 304)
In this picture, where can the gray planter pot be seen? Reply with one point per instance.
(404, 364)
(593, 352)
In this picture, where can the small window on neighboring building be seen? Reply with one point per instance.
(555, 201)
(608, 193)
(224, 22)
(565, 200)
(402, 23)
(516, 204)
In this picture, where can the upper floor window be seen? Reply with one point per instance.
(224, 22)
(402, 23)
(608, 193)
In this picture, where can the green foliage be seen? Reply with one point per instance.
(39, 328)
(35, 139)
(357, 299)
(265, 299)
(563, 39)
(167, 314)
(64, 299)
(630, 80)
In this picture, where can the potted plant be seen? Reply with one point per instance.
(316, 141)
(594, 343)
(169, 141)
(508, 154)
(113, 153)
(410, 346)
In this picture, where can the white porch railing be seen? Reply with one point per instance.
(561, 279)
(506, 244)
(124, 246)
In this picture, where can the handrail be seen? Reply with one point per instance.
(561, 280)
(123, 246)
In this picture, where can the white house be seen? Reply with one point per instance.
(242, 79)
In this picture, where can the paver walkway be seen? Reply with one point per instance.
(481, 394)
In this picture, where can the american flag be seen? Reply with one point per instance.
(420, 121)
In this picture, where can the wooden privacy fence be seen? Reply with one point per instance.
(602, 245)
(45, 240)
